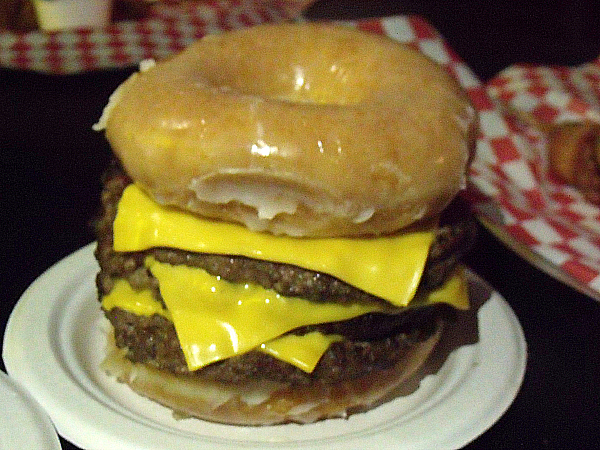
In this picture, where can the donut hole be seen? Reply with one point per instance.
(319, 65)
(329, 84)
(329, 79)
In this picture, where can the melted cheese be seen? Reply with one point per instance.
(389, 267)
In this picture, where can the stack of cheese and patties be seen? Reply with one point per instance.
(271, 246)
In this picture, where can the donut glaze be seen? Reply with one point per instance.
(299, 129)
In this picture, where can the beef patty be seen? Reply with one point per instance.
(372, 341)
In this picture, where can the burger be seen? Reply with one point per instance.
(279, 239)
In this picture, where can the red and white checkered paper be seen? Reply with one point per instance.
(538, 213)
(510, 188)
(168, 28)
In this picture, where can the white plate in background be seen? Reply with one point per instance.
(23, 422)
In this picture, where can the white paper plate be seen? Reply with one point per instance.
(463, 391)
(23, 422)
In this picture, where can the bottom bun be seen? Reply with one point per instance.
(265, 403)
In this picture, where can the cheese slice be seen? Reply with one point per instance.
(389, 267)
(216, 319)
(454, 291)
(140, 303)
(303, 351)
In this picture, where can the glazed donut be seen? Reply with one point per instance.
(299, 129)
(268, 403)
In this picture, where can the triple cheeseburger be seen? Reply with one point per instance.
(275, 243)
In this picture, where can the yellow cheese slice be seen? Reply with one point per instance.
(140, 303)
(216, 319)
(454, 291)
(303, 351)
(389, 267)
(249, 317)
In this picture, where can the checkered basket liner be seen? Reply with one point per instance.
(539, 212)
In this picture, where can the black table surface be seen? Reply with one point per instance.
(51, 162)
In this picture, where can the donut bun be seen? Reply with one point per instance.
(299, 129)
(267, 403)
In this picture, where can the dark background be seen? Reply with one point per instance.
(51, 164)
(492, 35)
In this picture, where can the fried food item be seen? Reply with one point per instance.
(574, 156)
